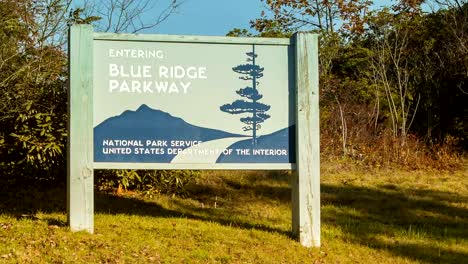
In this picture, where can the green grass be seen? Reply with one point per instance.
(379, 216)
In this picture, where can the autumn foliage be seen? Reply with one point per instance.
(393, 79)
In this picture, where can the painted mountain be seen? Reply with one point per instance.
(136, 127)
(277, 147)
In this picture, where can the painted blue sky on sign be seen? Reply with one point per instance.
(196, 99)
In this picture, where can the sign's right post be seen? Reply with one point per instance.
(306, 180)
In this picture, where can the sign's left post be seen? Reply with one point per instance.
(80, 186)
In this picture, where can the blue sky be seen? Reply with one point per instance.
(201, 17)
(210, 17)
(217, 17)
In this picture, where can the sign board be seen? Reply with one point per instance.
(193, 103)
(190, 102)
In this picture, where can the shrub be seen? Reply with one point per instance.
(148, 182)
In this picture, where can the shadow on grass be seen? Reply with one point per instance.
(24, 200)
(410, 223)
(262, 185)
(251, 187)
(112, 204)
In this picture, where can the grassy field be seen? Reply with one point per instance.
(380, 216)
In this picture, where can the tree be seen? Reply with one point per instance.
(32, 84)
(386, 75)
(421, 60)
(33, 76)
(130, 16)
(439, 53)
(249, 72)
(317, 15)
(337, 22)
(393, 70)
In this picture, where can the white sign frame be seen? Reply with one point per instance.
(305, 183)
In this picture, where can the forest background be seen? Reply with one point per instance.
(393, 81)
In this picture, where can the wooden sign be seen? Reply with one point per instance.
(189, 102)
(181, 103)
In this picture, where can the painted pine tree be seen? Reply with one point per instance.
(250, 72)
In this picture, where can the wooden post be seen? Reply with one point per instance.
(80, 201)
(306, 182)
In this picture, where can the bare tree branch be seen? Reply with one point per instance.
(130, 16)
